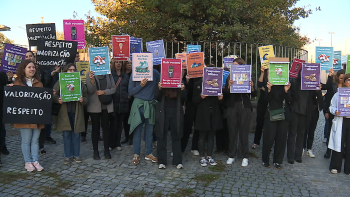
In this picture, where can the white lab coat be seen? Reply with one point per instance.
(337, 126)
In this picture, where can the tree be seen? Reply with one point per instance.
(4, 40)
(248, 21)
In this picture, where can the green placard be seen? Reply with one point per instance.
(348, 64)
(70, 86)
(279, 73)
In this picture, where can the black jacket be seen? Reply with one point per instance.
(276, 97)
(209, 111)
(331, 90)
(121, 96)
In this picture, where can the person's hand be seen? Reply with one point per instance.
(337, 113)
(230, 82)
(144, 82)
(53, 92)
(9, 75)
(331, 72)
(60, 101)
(262, 69)
(187, 78)
(269, 85)
(91, 75)
(286, 87)
(81, 99)
(159, 85)
(11, 84)
(320, 86)
(182, 86)
(100, 92)
(203, 96)
(220, 97)
(57, 69)
(326, 115)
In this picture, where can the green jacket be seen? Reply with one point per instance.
(63, 123)
(135, 117)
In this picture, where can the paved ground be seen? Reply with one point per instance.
(118, 177)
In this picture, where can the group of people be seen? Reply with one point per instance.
(286, 115)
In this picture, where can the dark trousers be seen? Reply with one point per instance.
(311, 124)
(296, 137)
(86, 118)
(170, 121)
(222, 137)
(275, 132)
(260, 119)
(238, 126)
(206, 136)
(337, 157)
(103, 119)
(117, 130)
(42, 138)
(190, 116)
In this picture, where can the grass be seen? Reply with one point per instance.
(183, 192)
(220, 167)
(9, 177)
(137, 193)
(55, 191)
(206, 178)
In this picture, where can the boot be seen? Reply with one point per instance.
(96, 155)
(107, 154)
(328, 154)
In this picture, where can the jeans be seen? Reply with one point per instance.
(148, 135)
(71, 140)
(30, 144)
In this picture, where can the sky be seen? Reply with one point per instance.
(331, 18)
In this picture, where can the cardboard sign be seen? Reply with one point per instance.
(44, 31)
(99, 60)
(348, 64)
(212, 81)
(195, 64)
(83, 68)
(171, 73)
(310, 76)
(344, 101)
(324, 56)
(74, 31)
(183, 58)
(157, 48)
(241, 76)
(265, 53)
(142, 66)
(296, 66)
(279, 71)
(337, 61)
(135, 45)
(12, 57)
(228, 62)
(27, 105)
(193, 48)
(53, 53)
(121, 47)
(70, 86)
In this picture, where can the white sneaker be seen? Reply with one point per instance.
(334, 171)
(179, 166)
(203, 162)
(310, 153)
(245, 162)
(230, 160)
(161, 166)
(195, 152)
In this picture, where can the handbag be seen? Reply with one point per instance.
(104, 99)
(277, 114)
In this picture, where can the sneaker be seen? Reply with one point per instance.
(50, 140)
(119, 148)
(29, 167)
(152, 158)
(161, 166)
(83, 139)
(211, 161)
(324, 140)
(203, 162)
(266, 165)
(230, 161)
(277, 165)
(4, 151)
(245, 162)
(179, 166)
(334, 171)
(42, 151)
(195, 152)
(310, 153)
(136, 159)
(254, 146)
(67, 160)
(38, 166)
(77, 159)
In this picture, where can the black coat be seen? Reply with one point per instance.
(331, 88)
(204, 106)
(121, 96)
(160, 112)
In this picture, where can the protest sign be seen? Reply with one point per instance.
(171, 73)
(279, 71)
(142, 66)
(183, 58)
(53, 53)
(224, 77)
(348, 64)
(99, 60)
(135, 45)
(12, 57)
(324, 56)
(296, 66)
(27, 105)
(344, 101)
(195, 64)
(121, 47)
(241, 76)
(310, 76)
(193, 48)
(157, 48)
(337, 61)
(265, 53)
(43, 31)
(83, 68)
(74, 31)
(70, 86)
(212, 81)
(228, 61)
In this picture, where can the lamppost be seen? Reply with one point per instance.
(331, 37)
(5, 28)
(319, 41)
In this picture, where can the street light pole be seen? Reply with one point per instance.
(319, 41)
(331, 37)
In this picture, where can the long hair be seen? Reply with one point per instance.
(336, 77)
(346, 77)
(21, 75)
(125, 66)
(66, 67)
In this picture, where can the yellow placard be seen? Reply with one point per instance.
(266, 52)
(83, 68)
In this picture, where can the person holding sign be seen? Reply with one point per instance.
(70, 118)
(239, 112)
(169, 114)
(127, 69)
(28, 76)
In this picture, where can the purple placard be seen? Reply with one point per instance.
(212, 81)
(344, 101)
(241, 76)
(228, 61)
(310, 76)
(13, 56)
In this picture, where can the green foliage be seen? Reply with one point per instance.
(4, 40)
